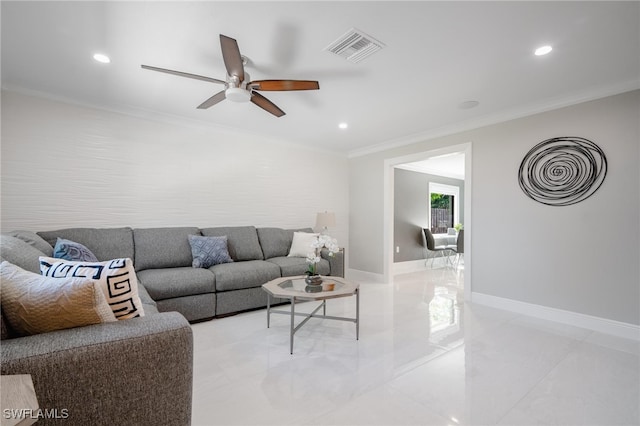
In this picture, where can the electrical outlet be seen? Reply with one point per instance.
(397, 249)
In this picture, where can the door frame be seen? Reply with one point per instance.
(389, 214)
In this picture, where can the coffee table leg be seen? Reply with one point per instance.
(268, 309)
(293, 314)
(358, 314)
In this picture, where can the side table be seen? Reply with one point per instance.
(19, 401)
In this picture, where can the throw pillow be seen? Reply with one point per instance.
(70, 250)
(209, 251)
(20, 253)
(117, 280)
(32, 239)
(34, 304)
(301, 244)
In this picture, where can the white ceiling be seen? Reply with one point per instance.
(438, 55)
(448, 165)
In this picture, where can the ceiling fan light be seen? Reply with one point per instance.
(237, 94)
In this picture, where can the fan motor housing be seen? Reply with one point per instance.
(237, 94)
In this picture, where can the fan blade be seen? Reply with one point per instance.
(184, 74)
(218, 97)
(266, 104)
(231, 57)
(284, 85)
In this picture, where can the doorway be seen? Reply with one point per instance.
(389, 214)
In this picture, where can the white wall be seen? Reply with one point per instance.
(66, 165)
(411, 210)
(582, 258)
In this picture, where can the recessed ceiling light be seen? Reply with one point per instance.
(468, 104)
(343, 125)
(101, 58)
(543, 50)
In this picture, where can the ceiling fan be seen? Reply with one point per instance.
(238, 87)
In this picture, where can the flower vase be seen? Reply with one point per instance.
(313, 279)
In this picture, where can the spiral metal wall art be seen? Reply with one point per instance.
(562, 171)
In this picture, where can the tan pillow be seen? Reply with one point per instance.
(34, 304)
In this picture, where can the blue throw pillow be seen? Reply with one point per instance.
(209, 251)
(70, 250)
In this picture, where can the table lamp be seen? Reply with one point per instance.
(325, 220)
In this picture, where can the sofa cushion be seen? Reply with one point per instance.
(117, 280)
(20, 253)
(167, 283)
(242, 241)
(70, 250)
(143, 294)
(238, 275)
(150, 309)
(32, 239)
(105, 244)
(208, 251)
(163, 247)
(276, 242)
(148, 304)
(291, 266)
(195, 307)
(34, 304)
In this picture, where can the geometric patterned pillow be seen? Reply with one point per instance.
(117, 279)
(209, 251)
(70, 250)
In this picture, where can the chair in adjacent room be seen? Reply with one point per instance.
(459, 249)
(432, 251)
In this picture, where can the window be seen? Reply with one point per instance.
(442, 211)
(443, 207)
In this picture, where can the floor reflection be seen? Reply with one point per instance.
(424, 357)
(444, 313)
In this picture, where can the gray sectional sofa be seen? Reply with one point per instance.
(140, 370)
(137, 371)
(162, 258)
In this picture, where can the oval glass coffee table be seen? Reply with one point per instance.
(296, 289)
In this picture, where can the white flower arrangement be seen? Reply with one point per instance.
(313, 258)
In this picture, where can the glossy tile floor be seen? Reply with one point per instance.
(424, 357)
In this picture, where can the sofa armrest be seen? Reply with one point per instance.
(336, 262)
(137, 371)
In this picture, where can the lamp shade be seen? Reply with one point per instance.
(325, 220)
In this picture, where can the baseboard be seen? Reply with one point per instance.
(357, 275)
(603, 325)
(408, 266)
(418, 265)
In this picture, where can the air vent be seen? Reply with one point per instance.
(354, 46)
